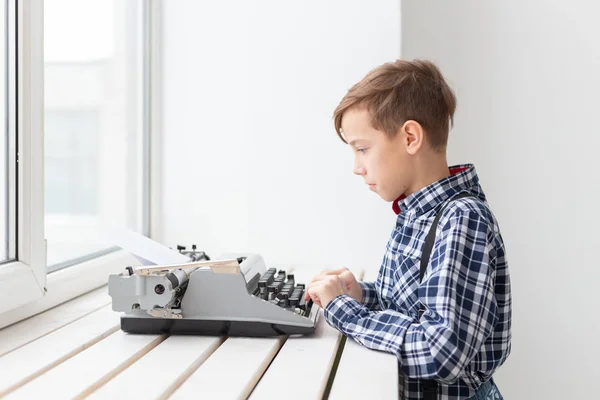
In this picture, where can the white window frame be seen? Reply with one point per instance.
(25, 286)
(24, 280)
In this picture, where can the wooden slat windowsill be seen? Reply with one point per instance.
(76, 350)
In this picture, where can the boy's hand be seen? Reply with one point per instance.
(325, 288)
(349, 283)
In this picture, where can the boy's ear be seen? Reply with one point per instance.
(413, 136)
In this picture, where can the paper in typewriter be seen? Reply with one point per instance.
(146, 250)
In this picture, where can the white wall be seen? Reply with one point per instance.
(528, 85)
(251, 158)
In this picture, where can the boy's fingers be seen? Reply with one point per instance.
(314, 280)
(308, 292)
(314, 288)
(335, 271)
(347, 276)
(318, 278)
(312, 294)
(342, 272)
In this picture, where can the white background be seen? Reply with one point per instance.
(251, 158)
(527, 79)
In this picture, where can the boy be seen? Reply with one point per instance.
(443, 307)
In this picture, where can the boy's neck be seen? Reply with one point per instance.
(428, 170)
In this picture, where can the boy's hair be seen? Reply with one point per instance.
(403, 90)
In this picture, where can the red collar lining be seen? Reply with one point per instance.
(396, 206)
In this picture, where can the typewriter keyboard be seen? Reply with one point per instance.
(277, 288)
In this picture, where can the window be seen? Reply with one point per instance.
(94, 125)
(22, 275)
(7, 143)
(4, 226)
(75, 144)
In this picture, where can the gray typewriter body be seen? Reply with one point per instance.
(235, 296)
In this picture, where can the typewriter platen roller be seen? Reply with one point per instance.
(235, 295)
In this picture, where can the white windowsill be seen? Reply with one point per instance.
(68, 283)
(18, 285)
(77, 349)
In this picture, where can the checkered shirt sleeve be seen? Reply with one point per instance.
(369, 295)
(457, 293)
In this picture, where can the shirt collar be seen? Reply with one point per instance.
(462, 177)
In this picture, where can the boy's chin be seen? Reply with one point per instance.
(386, 196)
(383, 194)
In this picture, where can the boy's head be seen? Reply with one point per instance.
(397, 119)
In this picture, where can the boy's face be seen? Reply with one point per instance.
(384, 163)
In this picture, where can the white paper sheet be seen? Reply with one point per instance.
(146, 250)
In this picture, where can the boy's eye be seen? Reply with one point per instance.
(362, 150)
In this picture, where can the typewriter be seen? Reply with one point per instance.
(235, 295)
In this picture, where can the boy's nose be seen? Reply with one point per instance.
(358, 170)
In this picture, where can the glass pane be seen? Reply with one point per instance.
(3, 140)
(93, 124)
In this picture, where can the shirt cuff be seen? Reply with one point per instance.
(369, 294)
(341, 309)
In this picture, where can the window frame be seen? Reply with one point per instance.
(24, 280)
(26, 288)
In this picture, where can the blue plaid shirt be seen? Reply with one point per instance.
(464, 335)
